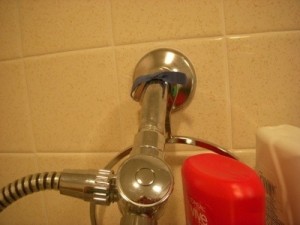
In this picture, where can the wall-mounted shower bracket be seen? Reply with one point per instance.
(167, 60)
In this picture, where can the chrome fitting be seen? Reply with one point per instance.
(149, 142)
(150, 139)
(162, 60)
(144, 185)
(90, 185)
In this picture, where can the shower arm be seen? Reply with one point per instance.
(145, 181)
(164, 81)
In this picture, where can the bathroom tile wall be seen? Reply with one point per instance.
(66, 71)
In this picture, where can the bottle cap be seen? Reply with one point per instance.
(220, 190)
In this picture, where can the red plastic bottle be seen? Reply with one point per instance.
(221, 191)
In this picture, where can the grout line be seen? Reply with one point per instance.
(36, 154)
(20, 30)
(121, 123)
(17, 153)
(208, 37)
(78, 153)
(67, 52)
(111, 24)
(263, 33)
(155, 42)
(227, 84)
(43, 197)
(170, 40)
(115, 69)
(51, 54)
(229, 94)
(29, 105)
(118, 94)
(223, 19)
(25, 78)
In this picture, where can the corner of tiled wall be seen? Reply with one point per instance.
(66, 70)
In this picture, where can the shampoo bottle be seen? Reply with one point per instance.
(278, 163)
(221, 191)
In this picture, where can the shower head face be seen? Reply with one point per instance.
(162, 60)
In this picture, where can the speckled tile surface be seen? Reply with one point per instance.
(261, 16)
(264, 83)
(66, 71)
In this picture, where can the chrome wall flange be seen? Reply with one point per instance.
(164, 59)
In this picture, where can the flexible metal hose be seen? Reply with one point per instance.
(28, 185)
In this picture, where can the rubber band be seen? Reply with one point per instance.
(166, 76)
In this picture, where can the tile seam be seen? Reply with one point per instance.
(208, 37)
(227, 84)
(111, 24)
(248, 35)
(262, 34)
(29, 105)
(115, 69)
(118, 93)
(20, 30)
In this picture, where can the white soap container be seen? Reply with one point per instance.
(278, 164)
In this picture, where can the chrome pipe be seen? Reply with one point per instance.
(144, 181)
(150, 139)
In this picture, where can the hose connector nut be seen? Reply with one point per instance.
(96, 186)
(104, 191)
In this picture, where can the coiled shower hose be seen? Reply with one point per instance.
(28, 185)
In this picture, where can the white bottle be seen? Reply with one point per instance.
(278, 164)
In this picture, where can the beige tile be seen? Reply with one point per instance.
(29, 210)
(15, 124)
(207, 116)
(259, 16)
(49, 26)
(61, 161)
(64, 209)
(264, 81)
(10, 38)
(246, 156)
(143, 21)
(74, 101)
(126, 58)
